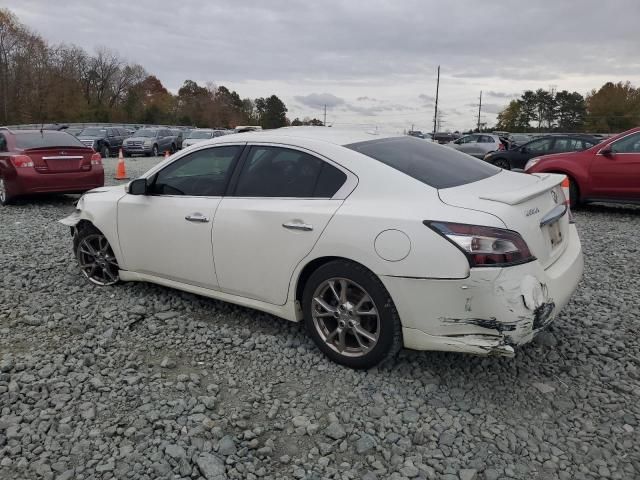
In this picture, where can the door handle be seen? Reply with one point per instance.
(197, 217)
(298, 226)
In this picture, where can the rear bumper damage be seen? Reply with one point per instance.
(490, 312)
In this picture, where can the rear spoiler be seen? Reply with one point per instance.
(514, 197)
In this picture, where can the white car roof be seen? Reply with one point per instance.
(336, 136)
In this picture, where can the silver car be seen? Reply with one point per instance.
(478, 144)
(201, 134)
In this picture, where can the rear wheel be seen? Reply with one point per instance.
(5, 199)
(502, 163)
(95, 257)
(350, 315)
(104, 151)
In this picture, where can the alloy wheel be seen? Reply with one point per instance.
(97, 261)
(345, 317)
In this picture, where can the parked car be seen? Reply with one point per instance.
(608, 171)
(374, 241)
(150, 142)
(105, 140)
(517, 157)
(179, 135)
(478, 144)
(444, 137)
(46, 161)
(201, 134)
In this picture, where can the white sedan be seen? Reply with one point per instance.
(374, 241)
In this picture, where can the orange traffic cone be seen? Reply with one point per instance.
(121, 170)
(166, 154)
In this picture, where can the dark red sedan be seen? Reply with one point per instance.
(46, 161)
(608, 171)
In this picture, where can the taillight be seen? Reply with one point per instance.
(485, 246)
(22, 161)
(566, 190)
(96, 159)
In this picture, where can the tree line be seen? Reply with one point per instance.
(614, 107)
(64, 83)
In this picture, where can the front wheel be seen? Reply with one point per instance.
(350, 315)
(574, 194)
(154, 151)
(95, 257)
(104, 151)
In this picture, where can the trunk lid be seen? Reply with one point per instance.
(532, 205)
(60, 159)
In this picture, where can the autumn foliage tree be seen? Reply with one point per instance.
(44, 83)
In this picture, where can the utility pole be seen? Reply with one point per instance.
(479, 110)
(325, 115)
(435, 116)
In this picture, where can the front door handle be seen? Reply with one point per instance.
(298, 226)
(197, 217)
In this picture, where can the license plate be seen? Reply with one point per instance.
(555, 233)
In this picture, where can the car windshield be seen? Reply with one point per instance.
(200, 134)
(434, 165)
(146, 133)
(46, 138)
(94, 132)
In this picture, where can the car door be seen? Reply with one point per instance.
(464, 144)
(167, 233)
(283, 198)
(617, 174)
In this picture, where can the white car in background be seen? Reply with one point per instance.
(478, 144)
(201, 134)
(374, 241)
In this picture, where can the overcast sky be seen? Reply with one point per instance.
(370, 62)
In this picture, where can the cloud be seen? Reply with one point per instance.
(319, 100)
(492, 93)
(293, 48)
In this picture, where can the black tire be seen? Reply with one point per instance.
(173, 149)
(154, 151)
(106, 271)
(502, 163)
(389, 334)
(104, 151)
(574, 193)
(5, 198)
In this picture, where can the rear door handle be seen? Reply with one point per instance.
(298, 226)
(197, 217)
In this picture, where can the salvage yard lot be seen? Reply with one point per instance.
(145, 380)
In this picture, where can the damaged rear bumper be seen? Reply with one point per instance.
(491, 311)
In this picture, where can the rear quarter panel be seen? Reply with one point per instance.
(575, 165)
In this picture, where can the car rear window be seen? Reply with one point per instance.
(434, 165)
(46, 138)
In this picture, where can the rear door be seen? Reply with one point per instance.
(617, 175)
(282, 200)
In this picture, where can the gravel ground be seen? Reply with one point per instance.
(141, 381)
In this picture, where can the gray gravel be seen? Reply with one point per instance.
(141, 381)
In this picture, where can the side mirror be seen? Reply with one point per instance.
(137, 187)
(607, 151)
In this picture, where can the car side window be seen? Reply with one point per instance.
(3, 143)
(565, 145)
(540, 146)
(203, 173)
(485, 139)
(629, 144)
(283, 172)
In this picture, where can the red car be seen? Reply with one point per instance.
(608, 171)
(46, 161)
